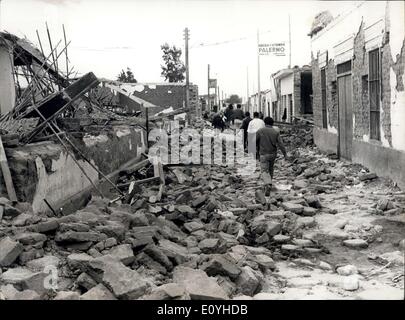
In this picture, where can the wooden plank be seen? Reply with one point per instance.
(138, 182)
(6, 174)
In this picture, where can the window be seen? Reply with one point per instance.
(323, 92)
(374, 92)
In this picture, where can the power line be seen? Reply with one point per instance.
(225, 41)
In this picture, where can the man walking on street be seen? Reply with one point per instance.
(244, 127)
(229, 115)
(253, 127)
(238, 113)
(268, 140)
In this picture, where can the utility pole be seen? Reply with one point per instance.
(218, 97)
(186, 38)
(247, 89)
(208, 90)
(0, 15)
(289, 42)
(258, 75)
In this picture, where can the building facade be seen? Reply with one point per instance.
(293, 93)
(358, 87)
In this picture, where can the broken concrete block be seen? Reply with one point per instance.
(30, 238)
(313, 201)
(264, 238)
(293, 207)
(22, 220)
(73, 226)
(67, 295)
(30, 254)
(300, 184)
(123, 253)
(193, 226)
(219, 265)
(248, 283)
(208, 245)
(198, 284)
(174, 251)
(169, 291)
(347, 270)
(79, 261)
(73, 236)
(265, 262)
(309, 212)
(124, 282)
(156, 254)
(355, 243)
(306, 222)
(24, 279)
(198, 202)
(85, 281)
(45, 227)
(9, 251)
(99, 292)
(367, 176)
(114, 229)
(279, 238)
(302, 242)
(42, 263)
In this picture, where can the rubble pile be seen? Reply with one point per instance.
(206, 233)
(297, 136)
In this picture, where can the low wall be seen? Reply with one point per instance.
(385, 162)
(46, 171)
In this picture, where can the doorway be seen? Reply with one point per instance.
(344, 82)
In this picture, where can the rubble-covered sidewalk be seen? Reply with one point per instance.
(331, 230)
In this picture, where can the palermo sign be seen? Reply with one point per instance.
(275, 49)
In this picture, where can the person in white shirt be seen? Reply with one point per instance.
(253, 127)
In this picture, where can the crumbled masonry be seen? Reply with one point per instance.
(331, 229)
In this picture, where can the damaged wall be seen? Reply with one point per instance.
(45, 171)
(7, 88)
(370, 26)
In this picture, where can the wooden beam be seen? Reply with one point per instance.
(6, 174)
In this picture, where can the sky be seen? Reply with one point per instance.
(107, 36)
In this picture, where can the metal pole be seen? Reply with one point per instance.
(289, 41)
(208, 90)
(186, 38)
(258, 75)
(0, 15)
(66, 53)
(247, 89)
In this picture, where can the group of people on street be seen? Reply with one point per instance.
(261, 138)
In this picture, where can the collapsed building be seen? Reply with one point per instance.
(133, 98)
(358, 86)
(62, 141)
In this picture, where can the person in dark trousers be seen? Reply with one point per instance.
(268, 140)
(244, 127)
(229, 115)
(238, 113)
(217, 121)
(261, 115)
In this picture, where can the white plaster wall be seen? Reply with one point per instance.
(65, 180)
(287, 85)
(7, 88)
(346, 26)
(396, 16)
